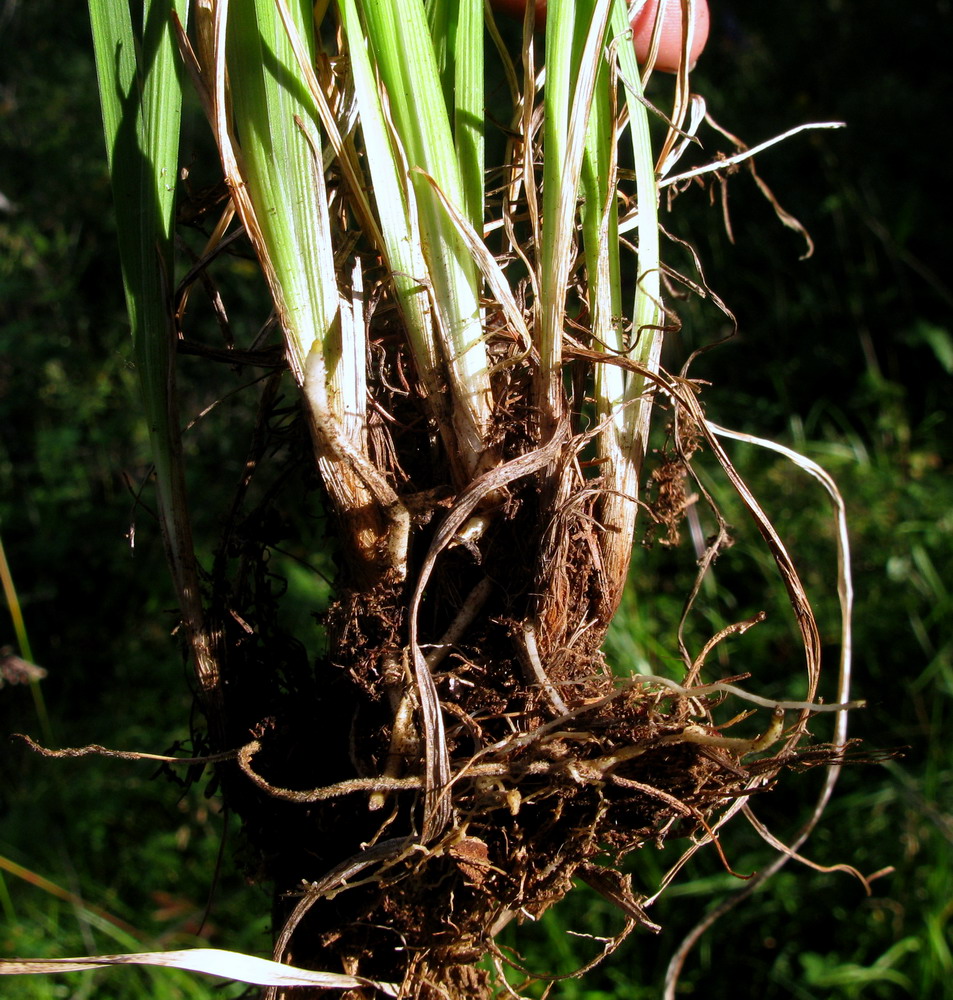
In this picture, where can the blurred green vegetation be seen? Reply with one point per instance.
(846, 356)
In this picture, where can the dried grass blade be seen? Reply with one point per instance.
(845, 585)
(492, 272)
(211, 961)
(682, 89)
(845, 597)
(357, 187)
(791, 852)
(803, 613)
(745, 154)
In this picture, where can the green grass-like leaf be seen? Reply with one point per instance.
(281, 160)
(141, 97)
(405, 59)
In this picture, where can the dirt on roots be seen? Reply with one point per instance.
(555, 769)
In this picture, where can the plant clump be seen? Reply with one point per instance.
(476, 394)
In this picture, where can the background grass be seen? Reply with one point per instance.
(847, 356)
